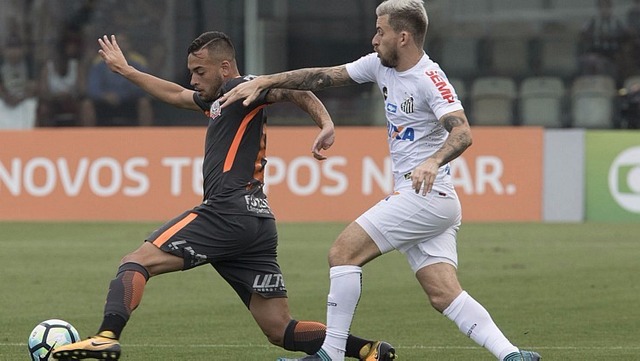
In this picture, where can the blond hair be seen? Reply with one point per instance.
(406, 15)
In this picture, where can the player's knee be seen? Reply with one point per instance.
(345, 253)
(439, 303)
(441, 300)
(337, 257)
(131, 258)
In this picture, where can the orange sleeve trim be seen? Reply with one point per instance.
(174, 229)
(233, 150)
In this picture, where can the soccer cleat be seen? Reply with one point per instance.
(96, 347)
(530, 356)
(378, 351)
(523, 356)
(321, 355)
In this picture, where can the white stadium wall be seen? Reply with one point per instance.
(563, 175)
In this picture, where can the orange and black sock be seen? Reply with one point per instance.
(308, 336)
(125, 294)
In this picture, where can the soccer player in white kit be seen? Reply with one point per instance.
(427, 128)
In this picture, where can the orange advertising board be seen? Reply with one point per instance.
(499, 178)
(153, 174)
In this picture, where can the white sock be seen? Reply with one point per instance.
(344, 293)
(475, 322)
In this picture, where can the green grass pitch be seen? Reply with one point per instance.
(569, 291)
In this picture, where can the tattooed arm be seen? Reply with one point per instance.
(302, 79)
(457, 142)
(308, 102)
(459, 137)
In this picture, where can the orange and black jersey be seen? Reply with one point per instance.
(234, 155)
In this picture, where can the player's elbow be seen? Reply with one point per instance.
(468, 140)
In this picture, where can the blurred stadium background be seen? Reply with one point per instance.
(490, 49)
(571, 270)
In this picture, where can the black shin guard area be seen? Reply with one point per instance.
(125, 292)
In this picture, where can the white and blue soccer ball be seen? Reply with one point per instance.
(48, 335)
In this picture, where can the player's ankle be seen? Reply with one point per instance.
(107, 334)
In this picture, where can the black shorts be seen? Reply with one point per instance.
(242, 248)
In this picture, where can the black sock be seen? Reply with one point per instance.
(113, 323)
(354, 345)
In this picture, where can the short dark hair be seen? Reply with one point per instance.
(216, 42)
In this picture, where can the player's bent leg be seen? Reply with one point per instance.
(272, 316)
(440, 283)
(125, 294)
(154, 260)
(96, 347)
(445, 294)
(126, 290)
(353, 247)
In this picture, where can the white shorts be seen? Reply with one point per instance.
(423, 228)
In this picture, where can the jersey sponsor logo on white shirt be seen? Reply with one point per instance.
(400, 133)
(392, 108)
(442, 86)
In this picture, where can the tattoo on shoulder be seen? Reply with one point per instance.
(451, 121)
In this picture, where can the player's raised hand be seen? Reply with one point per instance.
(248, 91)
(111, 54)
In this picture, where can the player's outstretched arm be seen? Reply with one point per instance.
(302, 79)
(164, 90)
(457, 142)
(308, 102)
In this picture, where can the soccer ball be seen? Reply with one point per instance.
(50, 334)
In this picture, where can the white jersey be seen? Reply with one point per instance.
(415, 100)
